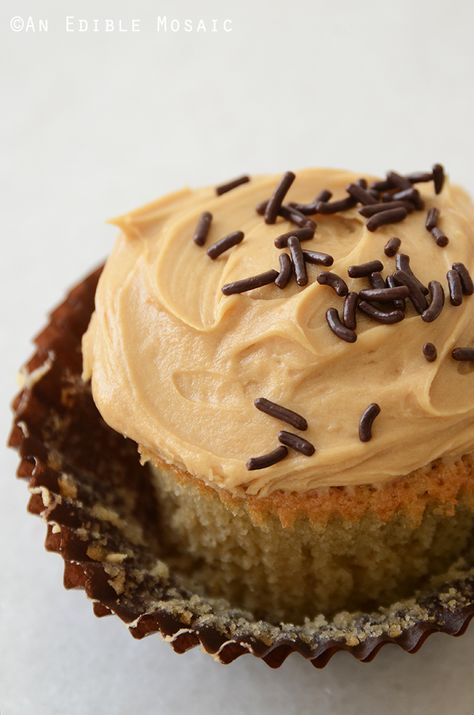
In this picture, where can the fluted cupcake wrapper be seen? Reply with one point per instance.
(101, 512)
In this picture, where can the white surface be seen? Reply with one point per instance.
(95, 123)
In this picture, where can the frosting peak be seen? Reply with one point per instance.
(176, 365)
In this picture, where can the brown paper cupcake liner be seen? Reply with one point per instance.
(101, 513)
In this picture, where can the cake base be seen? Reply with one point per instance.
(332, 555)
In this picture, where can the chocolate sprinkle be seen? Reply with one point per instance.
(303, 234)
(338, 328)
(392, 246)
(326, 207)
(289, 214)
(398, 180)
(438, 178)
(466, 280)
(463, 354)
(300, 444)
(368, 211)
(385, 217)
(412, 195)
(246, 284)
(436, 304)
(455, 287)
(384, 295)
(381, 316)
(367, 420)
(296, 217)
(391, 283)
(274, 205)
(224, 244)
(382, 185)
(432, 218)
(323, 259)
(349, 310)
(376, 280)
(324, 195)
(334, 281)
(267, 460)
(416, 296)
(365, 269)
(202, 229)
(360, 194)
(402, 262)
(286, 269)
(281, 413)
(312, 208)
(224, 188)
(298, 260)
(418, 177)
(430, 352)
(440, 238)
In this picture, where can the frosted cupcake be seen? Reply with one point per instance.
(295, 359)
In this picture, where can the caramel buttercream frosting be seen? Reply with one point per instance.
(176, 364)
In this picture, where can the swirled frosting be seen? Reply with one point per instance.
(176, 365)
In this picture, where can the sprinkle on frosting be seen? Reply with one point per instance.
(275, 203)
(392, 246)
(296, 442)
(402, 262)
(466, 280)
(410, 195)
(202, 228)
(455, 287)
(416, 295)
(440, 237)
(219, 247)
(349, 310)
(367, 420)
(365, 269)
(245, 284)
(318, 258)
(224, 188)
(368, 211)
(430, 352)
(382, 218)
(438, 178)
(294, 216)
(302, 234)
(338, 328)
(326, 207)
(376, 280)
(312, 208)
(267, 460)
(286, 269)
(361, 194)
(281, 413)
(432, 218)
(381, 316)
(298, 260)
(436, 302)
(463, 354)
(327, 278)
(390, 282)
(395, 179)
(385, 295)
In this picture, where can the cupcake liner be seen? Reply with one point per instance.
(101, 512)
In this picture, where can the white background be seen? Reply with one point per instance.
(95, 123)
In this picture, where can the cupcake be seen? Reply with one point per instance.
(291, 362)
(294, 357)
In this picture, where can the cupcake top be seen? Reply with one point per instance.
(349, 361)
